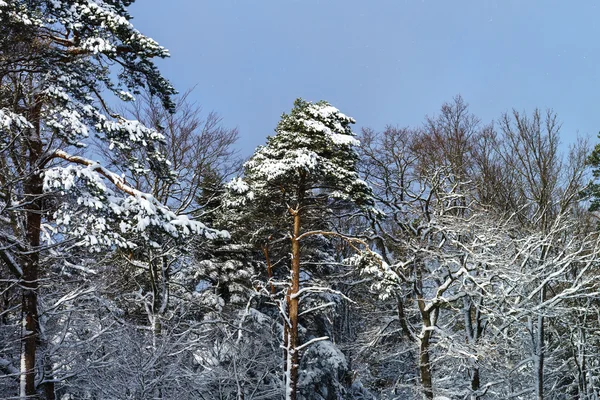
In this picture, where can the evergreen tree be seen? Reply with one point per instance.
(305, 173)
(592, 191)
(58, 61)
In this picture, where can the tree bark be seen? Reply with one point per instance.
(49, 389)
(265, 249)
(33, 190)
(424, 339)
(292, 361)
(539, 342)
(540, 350)
(473, 328)
(425, 366)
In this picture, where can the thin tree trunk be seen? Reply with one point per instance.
(265, 249)
(49, 389)
(33, 189)
(424, 361)
(402, 319)
(425, 366)
(29, 334)
(157, 298)
(159, 277)
(292, 305)
(540, 350)
(583, 377)
(539, 339)
(475, 381)
(473, 328)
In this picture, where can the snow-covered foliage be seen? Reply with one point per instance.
(70, 78)
(478, 261)
(385, 279)
(314, 147)
(323, 370)
(221, 274)
(104, 217)
(480, 281)
(10, 120)
(63, 64)
(306, 172)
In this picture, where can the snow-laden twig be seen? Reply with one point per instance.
(311, 341)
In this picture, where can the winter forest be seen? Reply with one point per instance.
(142, 257)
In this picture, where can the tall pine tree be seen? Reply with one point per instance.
(304, 173)
(59, 59)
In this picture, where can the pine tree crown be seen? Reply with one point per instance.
(313, 150)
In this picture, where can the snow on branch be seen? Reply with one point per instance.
(114, 219)
(311, 341)
(96, 167)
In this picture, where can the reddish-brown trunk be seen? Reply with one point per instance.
(292, 304)
(265, 249)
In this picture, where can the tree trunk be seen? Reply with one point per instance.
(539, 351)
(583, 377)
(33, 190)
(159, 280)
(265, 249)
(292, 361)
(156, 276)
(49, 389)
(473, 328)
(425, 337)
(425, 366)
(29, 334)
(475, 381)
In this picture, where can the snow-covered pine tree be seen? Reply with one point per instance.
(59, 59)
(305, 172)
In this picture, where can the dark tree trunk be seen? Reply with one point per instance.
(540, 350)
(424, 340)
(475, 380)
(474, 329)
(425, 366)
(33, 189)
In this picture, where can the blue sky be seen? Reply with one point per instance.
(380, 61)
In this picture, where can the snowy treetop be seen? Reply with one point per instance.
(77, 52)
(313, 144)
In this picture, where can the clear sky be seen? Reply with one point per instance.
(381, 61)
